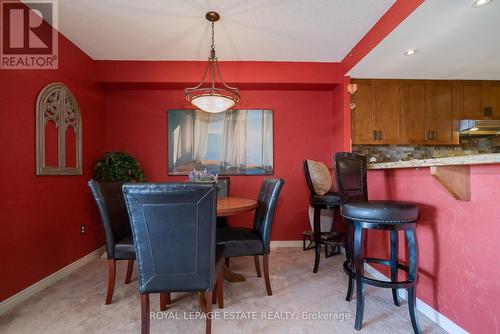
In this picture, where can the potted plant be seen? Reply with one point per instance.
(118, 167)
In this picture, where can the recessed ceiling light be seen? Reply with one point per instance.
(480, 3)
(410, 52)
(474, 129)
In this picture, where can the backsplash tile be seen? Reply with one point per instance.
(391, 153)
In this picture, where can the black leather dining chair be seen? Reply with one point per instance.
(109, 200)
(240, 241)
(173, 225)
(223, 185)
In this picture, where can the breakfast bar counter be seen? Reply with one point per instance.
(480, 159)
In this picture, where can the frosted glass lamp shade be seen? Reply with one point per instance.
(213, 103)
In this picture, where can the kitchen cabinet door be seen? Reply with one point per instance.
(413, 113)
(388, 104)
(494, 99)
(472, 99)
(440, 118)
(363, 116)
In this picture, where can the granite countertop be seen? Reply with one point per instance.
(480, 159)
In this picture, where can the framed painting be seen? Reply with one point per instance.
(234, 142)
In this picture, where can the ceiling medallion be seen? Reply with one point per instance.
(206, 96)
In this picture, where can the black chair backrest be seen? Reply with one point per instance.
(173, 225)
(350, 172)
(223, 183)
(108, 197)
(308, 178)
(264, 214)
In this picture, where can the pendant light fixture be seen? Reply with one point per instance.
(206, 96)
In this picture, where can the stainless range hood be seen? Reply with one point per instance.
(471, 127)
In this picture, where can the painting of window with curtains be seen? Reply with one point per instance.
(234, 142)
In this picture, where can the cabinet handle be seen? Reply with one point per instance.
(488, 111)
(432, 135)
(374, 135)
(428, 135)
(380, 135)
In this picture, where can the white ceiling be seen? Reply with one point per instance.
(454, 41)
(274, 30)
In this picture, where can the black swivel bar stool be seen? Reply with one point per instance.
(361, 214)
(330, 200)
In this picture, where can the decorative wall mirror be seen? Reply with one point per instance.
(58, 132)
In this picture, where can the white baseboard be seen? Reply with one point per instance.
(286, 243)
(436, 317)
(11, 302)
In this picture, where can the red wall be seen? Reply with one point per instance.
(244, 74)
(136, 121)
(41, 215)
(458, 242)
(44, 214)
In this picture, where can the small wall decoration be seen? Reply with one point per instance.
(58, 132)
(234, 142)
(351, 89)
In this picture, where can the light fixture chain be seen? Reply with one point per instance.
(212, 47)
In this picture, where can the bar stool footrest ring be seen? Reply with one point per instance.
(380, 283)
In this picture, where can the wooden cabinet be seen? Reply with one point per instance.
(478, 99)
(414, 112)
(388, 104)
(363, 117)
(428, 115)
(472, 99)
(441, 120)
(405, 112)
(375, 120)
(493, 92)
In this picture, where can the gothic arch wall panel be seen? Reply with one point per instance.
(56, 107)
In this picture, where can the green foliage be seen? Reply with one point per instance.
(118, 166)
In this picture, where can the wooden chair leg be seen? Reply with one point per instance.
(220, 290)
(202, 301)
(266, 275)
(257, 265)
(214, 294)
(130, 268)
(227, 262)
(145, 314)
(208, 310)
(111, 280)
(165, 299)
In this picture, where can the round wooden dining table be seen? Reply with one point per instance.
(229, 206)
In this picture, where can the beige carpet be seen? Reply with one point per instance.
(76, 303)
